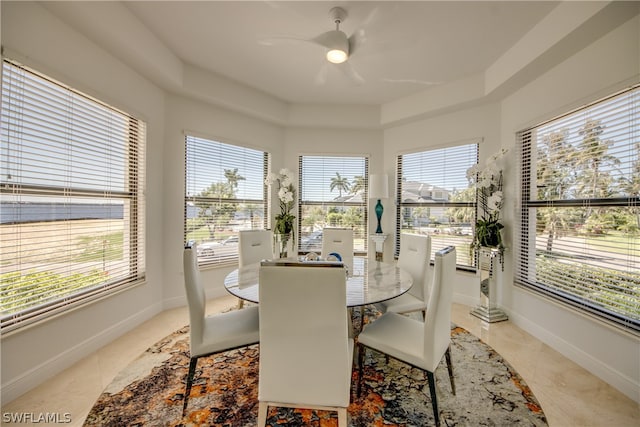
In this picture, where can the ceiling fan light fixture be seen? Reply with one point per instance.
(336, 56)
(337, 44)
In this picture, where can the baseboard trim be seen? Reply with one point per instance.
(465, 300)
(606, 373)
(39, 374)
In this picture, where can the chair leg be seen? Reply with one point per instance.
(434, 399)
(240, 303)
(342, 417)
(447, 355)
(262, 413)
(360, 351)
(192, 370)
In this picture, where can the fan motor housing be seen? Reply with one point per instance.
(337, 15)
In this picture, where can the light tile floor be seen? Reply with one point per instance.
(569, 395)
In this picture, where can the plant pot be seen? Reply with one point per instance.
(490, 239)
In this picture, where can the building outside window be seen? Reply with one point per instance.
(578, 237)
(333, 193)
(434, 197)
(72, 207)
(225, 192)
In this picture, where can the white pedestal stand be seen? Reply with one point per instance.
(379, 239)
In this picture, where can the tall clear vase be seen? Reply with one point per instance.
(282, 245)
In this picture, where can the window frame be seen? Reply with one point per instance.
(231, 258)
(438, 201)
(526, 260)
(69, 181)
(364, 205)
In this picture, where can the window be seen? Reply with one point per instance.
(72, 208)
(224, 193)
(333, 193)
(434, 197)
(579, 237)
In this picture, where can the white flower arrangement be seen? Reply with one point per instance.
(286, 195)
(488, 183)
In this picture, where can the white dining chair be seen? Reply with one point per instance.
(340, 241)
(306, 355)
(415, 253)
(253, 247)
(419, 344)
(215, 333)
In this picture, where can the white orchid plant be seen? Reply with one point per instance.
(488, 183)
(286, 195)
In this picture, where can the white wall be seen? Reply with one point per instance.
(31, 35)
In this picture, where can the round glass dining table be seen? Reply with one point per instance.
(370, 282)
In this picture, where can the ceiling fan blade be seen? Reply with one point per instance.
(321, 77)
(323, 39)
(359, 36)
(332, 39)
(274, 40)
(371, 17)
(351, 72)
(356, 40)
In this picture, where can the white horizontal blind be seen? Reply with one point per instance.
(579, 221)
(72, 208)
(333, 193)
(434, 197)
(225, 192)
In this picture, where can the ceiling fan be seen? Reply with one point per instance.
(336, 41)
(338, 46)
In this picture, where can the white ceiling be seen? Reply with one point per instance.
(412, 58)
(403, 47)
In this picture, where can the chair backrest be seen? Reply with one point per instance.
(196, 299)
(437, 324)
(254, 246)
(415, 250)
(340, 241)
(304, 344)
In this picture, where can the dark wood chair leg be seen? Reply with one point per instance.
(434, 399)
(192, 370)
(447, 355)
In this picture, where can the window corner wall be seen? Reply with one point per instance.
(50, 346)
(606, 351)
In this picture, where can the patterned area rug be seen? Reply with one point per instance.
(149, 392)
